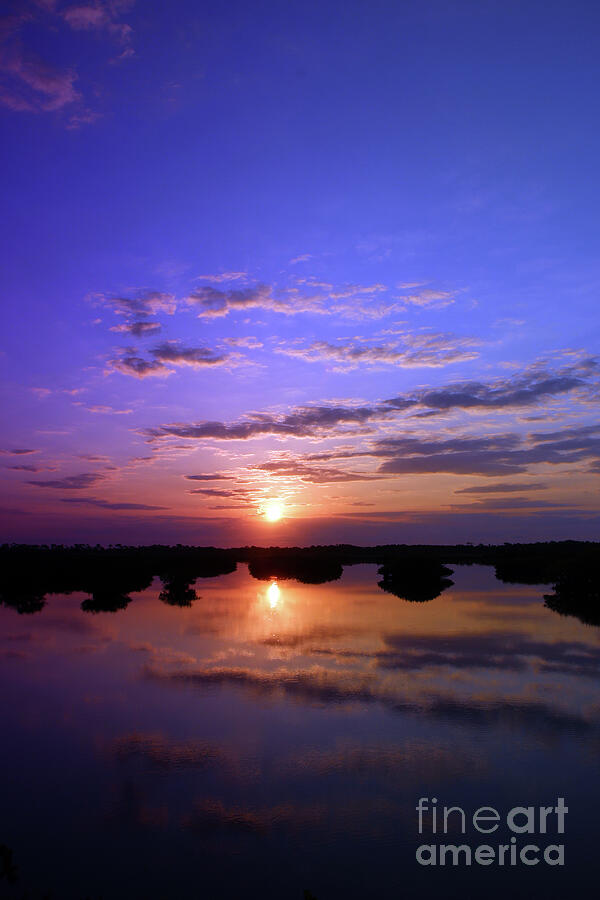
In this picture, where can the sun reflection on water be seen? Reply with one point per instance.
(274, 595)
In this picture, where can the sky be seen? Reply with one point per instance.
(335, 264)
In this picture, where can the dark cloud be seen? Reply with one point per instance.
(493, 455)
(301, 422)
(107, 504)
(31, 468)
(215, 492)
(531, 387)
(525, 389)
(18, 451)
(216, 476)
(72, 482)
(511, 503)
(139, 367)
(506, 488)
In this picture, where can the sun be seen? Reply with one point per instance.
(273, 511)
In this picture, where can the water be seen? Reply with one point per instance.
(275, 738)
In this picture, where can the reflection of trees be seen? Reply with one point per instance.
(8, 870)
(178, 590)
(22, 599)
(577, 594)
(415, 572)
(415, 579)
(105, 601)
(303, 568)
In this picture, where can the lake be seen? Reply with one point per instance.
(273, 739)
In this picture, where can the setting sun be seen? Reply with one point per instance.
(273, 511)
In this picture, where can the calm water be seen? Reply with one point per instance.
(275, 738)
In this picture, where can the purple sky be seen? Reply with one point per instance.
(342, 256)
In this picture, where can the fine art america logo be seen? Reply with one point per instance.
(520, 821)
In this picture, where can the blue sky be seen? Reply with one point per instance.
(383, 214)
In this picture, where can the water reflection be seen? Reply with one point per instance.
(279, 727)
(274, 595)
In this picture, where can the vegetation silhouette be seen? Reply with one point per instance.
(305, 566)
(576, 593)
(8, 869)
(416, 573)
(415, 579)
(178, 590)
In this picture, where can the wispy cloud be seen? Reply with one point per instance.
(138, 304)
(212, 302)
(537, 384)
(503, 488)
(137, 328)
(528, 388)
(413, 351)
(224, 277)
(72, 482)
(19, 451)
(300, 422)
(108, 504)
(311, 474)
(29, 83)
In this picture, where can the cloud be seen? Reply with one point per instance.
(528, 388)
(301, 422)
(30, 84)
(140, 304)
(236, 494)
(19, 451)
(102, 16)
(138, 367)
(295, 468)
(166, 355)
(429, 350)
(489, 455)
(216, 476)
(503, 488)
(197, 357)
(72, 482)
(107, 504)
(428, 298)
(510, 504)
(212, 302)
(251, 343)
(137, 328)
(224, 277)
(525, 389)
(31, 468)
